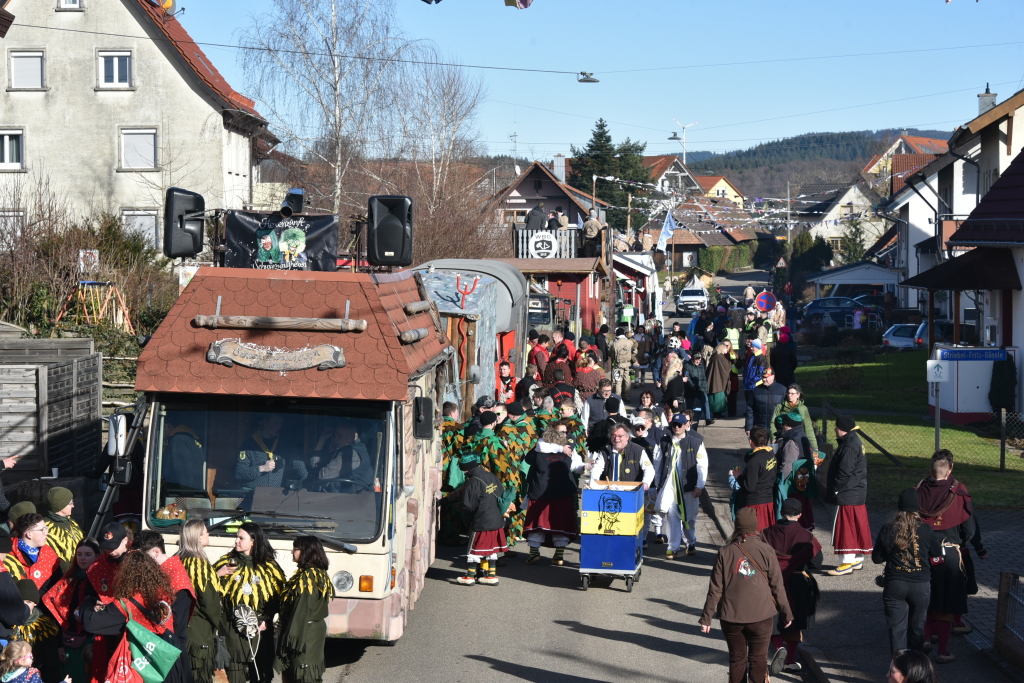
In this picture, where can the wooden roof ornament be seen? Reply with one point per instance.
(276, 333)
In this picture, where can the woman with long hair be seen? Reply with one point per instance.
(747, 591)
(794, 403)
(251, 580)
(208, 619)
(911, 666)
(63, 601)
(908, 548)
(303, 621)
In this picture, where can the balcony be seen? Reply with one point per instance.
(563, 243)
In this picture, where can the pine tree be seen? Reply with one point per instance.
(851, 244)
(602, 157)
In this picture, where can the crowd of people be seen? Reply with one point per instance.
(120, 609)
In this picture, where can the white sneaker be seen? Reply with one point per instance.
(488, 580)
(794, 667)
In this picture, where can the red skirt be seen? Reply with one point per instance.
(487, 543)
(765, 515)
(852, 531)
(556, 516)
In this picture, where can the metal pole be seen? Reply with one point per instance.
(629, 213)
(1002, 439)
(938, 415)
(789, 218)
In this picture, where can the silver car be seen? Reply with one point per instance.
(690, 300)
(900, 337)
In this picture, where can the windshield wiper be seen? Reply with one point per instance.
(326, 540)
(235, 514)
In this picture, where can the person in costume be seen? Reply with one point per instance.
(63, 600)
(794, 402)
(497, 458)
(260, 462)
(622, 460)
(63, 533)
(756, 481)
(551, 492)
(451, 524)
(302, 626)
(802, 485)
(846, 486)
(183, 594)
(39, 630)
(588, 376)
(16, 664)
(910, 550)
(31, 558)
(575, 427)
(251, 580)
(520, 436)
(481, 498)
(208, 620)
(113, 542)
(792, 446)
(341, 458)
(798, 552)
(142, 594)
(946, 508)
(683, 475)
(13, 609)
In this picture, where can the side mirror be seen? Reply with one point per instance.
(117, 435)
(423, 424)
(183, 229)
(122, 475)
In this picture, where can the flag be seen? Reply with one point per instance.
(579, 221)
(666, 231)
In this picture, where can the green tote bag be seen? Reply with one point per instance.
(152, 656)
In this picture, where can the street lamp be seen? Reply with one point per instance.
(676, 137)
(587, 77)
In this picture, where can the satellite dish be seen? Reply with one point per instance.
(168, 6)
(518, 171)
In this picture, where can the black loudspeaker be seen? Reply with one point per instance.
(183, 234)
(423, 427)
(389, 231)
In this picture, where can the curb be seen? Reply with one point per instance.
(811, 657)
(1009, 672)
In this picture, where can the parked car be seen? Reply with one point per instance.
(835, 307)
(943, 333)
(691, 300)
(876, 301)
(900, 337)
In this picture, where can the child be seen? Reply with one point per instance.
(480, 498)
(16, 664)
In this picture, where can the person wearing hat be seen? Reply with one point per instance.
(481, 498)
(681, 478)
(747, 590)
(17, 510)
(63, 600)
(38, 628)
(599, 434)
(793, 444)
(798, 551)
(762, 401)
(13, 610)
(783, 358)
(114, 544)
(846, 486)
(64, 532)
(498, 458)
(909, 548)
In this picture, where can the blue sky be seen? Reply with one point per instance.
(755, 98)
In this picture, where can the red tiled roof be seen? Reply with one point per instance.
(999, 216)
(922, 145)
(874, 160)
(658, 165)
(554, 265)
(904, 165)
(377, 367)
(708, 181)
(194, 56)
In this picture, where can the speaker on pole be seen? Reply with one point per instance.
(389, 231)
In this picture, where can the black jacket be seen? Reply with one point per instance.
(537, 219)
(597, 438)
(480, 497)
(757, 481)
(912, 564)
(846, 481)
(597, 410)
(784, 362)
(698, 376)
(765, 399)
(13, 610)
(629, 463)
(550, 474)
(675, 393)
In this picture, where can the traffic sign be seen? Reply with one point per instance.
(781, 263)
(972, 354)
(939, 370)
(765, 301)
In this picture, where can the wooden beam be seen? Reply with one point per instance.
(956, 316)
(1009, 133)
(247, 322)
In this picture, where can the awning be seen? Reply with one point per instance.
(984, 269)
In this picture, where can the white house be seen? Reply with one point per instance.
(112, 102)
(826, 209)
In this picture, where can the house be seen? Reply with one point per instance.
(881, 164)
(703, 222)
(112, 103)
(825, 209)
(670, 174)
(637, 277)
(539, 184)
(720, 186)
(576, 284)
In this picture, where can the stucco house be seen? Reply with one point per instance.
(825, 210)
(111, 103)
(720, 187)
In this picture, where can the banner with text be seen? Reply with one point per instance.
(271, 241)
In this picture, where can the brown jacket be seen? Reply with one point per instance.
(739, 592)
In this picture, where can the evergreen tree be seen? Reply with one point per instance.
(851, 244)
(602, 157)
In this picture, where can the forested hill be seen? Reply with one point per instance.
(848, 147)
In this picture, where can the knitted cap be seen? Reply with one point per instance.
(909, 501)
(792, 507)
(845, 423)
(484, 402)
(19, 509)
(570, 336)
(756, 343)
(58, 498)
(29, 591)
(746, 521)
(612, 405)
(515, 409)
(792, 419)
(487, 418)
(534, 334)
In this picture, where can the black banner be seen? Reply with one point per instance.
(271, 241)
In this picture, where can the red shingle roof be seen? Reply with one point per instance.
(922, 145)
(999, 216)
(658, 165)
(904, 165)
(377, 367)
(201, 65)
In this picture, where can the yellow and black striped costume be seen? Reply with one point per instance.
(63, 535)
(264, 582)
(305, 604)
(208, 619)
(307, 581)
(37, 630)
(260, 588)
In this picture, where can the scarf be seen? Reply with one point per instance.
(10, 675)
(259, 442)
(28, 551)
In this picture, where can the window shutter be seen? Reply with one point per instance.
(27, 70)
(139, 149)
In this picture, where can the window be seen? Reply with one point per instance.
(142, 222)
(115, 69)
(26, 71)
(11, 223)
(138, 149)
(10, 150)
(514, 216)
(69, 4)
(836, 243)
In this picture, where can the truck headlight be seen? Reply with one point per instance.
(343, 582)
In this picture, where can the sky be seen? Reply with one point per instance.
(745, 71)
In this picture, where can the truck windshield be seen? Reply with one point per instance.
(691, 292)
(539, 312)
(318, 464)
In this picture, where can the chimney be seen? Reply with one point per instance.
(559, 167)
(986, 101)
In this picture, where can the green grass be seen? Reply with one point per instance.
(912, 441)
(894, 383)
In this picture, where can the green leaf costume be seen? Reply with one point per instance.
(303, 625)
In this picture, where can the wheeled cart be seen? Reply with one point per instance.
(611, 526)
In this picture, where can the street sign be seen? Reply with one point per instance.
(765, 301)
(781, 263)
(543, 245)
(88, 260)
(972, 354)
(939, 370)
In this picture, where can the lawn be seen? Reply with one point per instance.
(894, 383)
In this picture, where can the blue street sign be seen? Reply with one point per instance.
(972, 354)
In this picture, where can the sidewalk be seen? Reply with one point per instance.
(849, 641)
